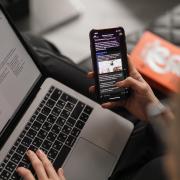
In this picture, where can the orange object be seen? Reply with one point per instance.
(159, 61)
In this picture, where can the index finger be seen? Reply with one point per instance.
(47, 164)
(37, 165)
(25, 173)
(131, 65)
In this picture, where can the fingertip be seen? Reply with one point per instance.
(106, 105)
(61, 172)
(39, 152)
(118, 84)
(92, 89)
(29, 152)
(20, 170)
(90, 74)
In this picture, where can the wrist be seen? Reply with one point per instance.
(157, 109)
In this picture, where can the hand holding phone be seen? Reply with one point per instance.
(109, 57)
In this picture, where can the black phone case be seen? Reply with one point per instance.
(95, 66)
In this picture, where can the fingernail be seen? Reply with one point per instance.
(105, 105)
(40, 151)
(17, 170)
(62, 171)
(28, 152)
(118, 83)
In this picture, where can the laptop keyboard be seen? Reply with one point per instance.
(54, 128)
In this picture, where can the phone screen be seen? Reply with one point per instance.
(110, 62)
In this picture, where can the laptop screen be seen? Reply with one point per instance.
(18, 73)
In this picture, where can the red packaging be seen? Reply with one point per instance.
(158, 61)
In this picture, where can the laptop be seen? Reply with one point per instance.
(46, 15)
(36, 112)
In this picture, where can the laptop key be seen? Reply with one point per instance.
(10, 166)
(60, 104)
(71, 122)
(16, 158)
(50, 103)
(41, 118)
(62, 137)
(51, 119)
(31, 133)
(33, 148)
(43, 102)
(22, 134)
(88, 110)
(13, 148)
(17, 142)
(70, 141)
(22, 164)
(69, 98)
(69, 106)
(46, 110)
(84, 117)
(15, 176)
(61, 156)
(5, 175)
(32, 119)
(60, 121)
(65, 114)
(25, 159)
(26, 141)
(47, 126)
(77, 110)
(46, 144)
(52, 153)
(51, 137)
(80, 124)
(66, 129)
(21, 149)
(28, 125)
(56, 111)
(51, 89)
(42, 134)
(36, 113)
(36, 126)
(7, 158)
(37, 142)
(56, 94)
(75, 132)
(57, 145)
(46, 97)
(56, 129)
(3, 165)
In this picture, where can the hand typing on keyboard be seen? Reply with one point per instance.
(42, 166)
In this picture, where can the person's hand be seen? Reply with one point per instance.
(141, 93)
(42, 166)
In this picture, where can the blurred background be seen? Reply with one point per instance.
(66, 23)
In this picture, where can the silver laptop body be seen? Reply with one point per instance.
(101, 141)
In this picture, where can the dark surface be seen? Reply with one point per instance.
(167, 26)
(16, 9)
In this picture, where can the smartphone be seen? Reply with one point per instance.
(109, 57)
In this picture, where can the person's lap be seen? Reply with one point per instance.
(143, 144)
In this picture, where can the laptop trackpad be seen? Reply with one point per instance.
(87, 162)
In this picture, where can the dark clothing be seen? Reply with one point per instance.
(151, 169)
(143, 145)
